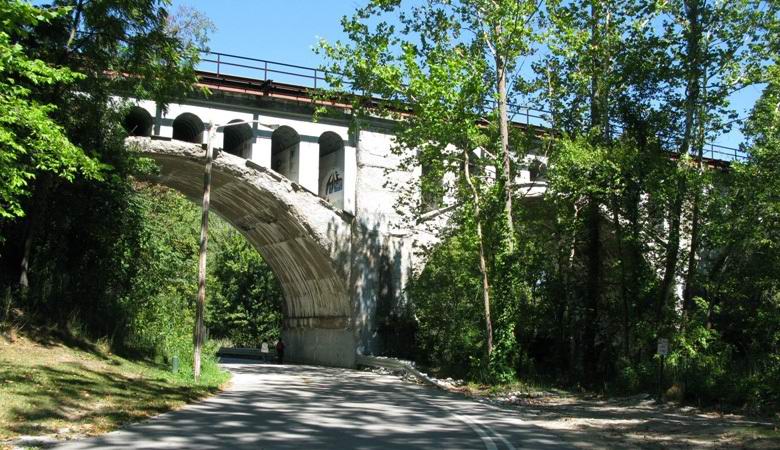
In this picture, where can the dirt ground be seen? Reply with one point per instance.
(640, 422)
(636, 422)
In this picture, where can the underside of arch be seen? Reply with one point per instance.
(304, 240)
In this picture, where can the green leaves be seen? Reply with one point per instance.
(30, 140)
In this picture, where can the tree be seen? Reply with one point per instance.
(101, 49)
(580, 76)
(31, 142)
(446, 66)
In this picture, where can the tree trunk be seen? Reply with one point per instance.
(593, 289)
(204, 238)
(482, 261)
(690, 274)
(40, 197)
(624, 282)
(74, 27)
(503, 127)
(599, 123)
(672, 254)
(692, 99)
(701, 90)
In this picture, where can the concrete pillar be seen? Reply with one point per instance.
(350, 178)
(323, 346)
(308, 165)
(261, 151)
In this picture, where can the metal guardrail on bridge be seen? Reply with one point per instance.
(226, 64)
(262, 69)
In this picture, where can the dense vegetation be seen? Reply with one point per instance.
(637, 238)
(85, 247)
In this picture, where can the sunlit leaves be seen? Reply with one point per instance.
(30, 140)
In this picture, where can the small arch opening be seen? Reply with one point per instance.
(189, 128)
(537, 170)
(285, 143)
(138, 122)
(331, 170)
(330, 142)
(238, 139)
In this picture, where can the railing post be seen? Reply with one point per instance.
(218, 62)
(315, 78)
(265, 70)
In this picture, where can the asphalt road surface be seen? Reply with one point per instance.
(272, 406)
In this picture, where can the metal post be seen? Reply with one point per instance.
(218, 62)
(315, 78)
(265, 70)
(204, 237)
(661, 380)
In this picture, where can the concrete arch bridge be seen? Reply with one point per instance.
(317, 199)
(311, 197)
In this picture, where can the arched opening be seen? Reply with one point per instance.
(238, 139)
(331, 171)
(189, 128)
(285, 152)
(138, 122)
(306, 245)
(537, 170)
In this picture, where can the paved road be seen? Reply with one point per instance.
(305, 407)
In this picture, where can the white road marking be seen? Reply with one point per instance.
(475, 425)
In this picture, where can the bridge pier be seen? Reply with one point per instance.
(324, 346)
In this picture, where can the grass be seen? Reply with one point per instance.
(49, 388)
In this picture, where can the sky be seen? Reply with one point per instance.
(277, 30)
(288, 30)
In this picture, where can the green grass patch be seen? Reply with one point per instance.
(49, 388)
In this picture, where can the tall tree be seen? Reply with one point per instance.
(448, 65)
(585, 41)
(134, 47)
(31, 142)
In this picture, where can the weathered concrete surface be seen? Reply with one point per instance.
(306, 242)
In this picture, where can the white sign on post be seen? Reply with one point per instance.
(663, 346)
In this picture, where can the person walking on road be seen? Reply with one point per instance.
(264, 351)
(280, 351)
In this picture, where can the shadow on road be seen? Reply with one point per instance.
(273, 406)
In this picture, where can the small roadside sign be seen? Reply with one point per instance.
(663, 346)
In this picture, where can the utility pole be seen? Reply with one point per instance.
(200, 332)
(204, 238)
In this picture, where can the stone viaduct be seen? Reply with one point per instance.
(317, 199)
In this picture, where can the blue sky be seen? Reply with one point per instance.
(284, 31)
(288, 30)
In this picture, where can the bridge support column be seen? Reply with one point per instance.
(331, 343)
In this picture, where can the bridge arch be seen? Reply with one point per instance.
(138, 122)
(238, 138)
(188, 127)
(305, 241)
(330, 180)
(285, 151)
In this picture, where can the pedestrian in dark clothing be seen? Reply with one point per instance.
(280, 351)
